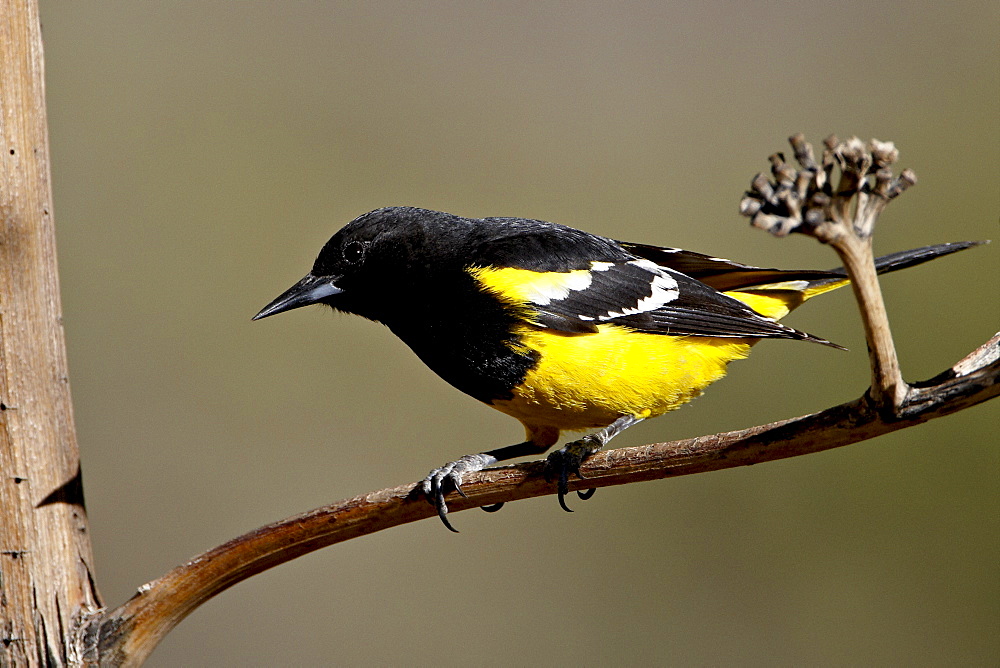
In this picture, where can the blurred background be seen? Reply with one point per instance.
(202, 152)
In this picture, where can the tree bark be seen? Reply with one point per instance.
(46, 582)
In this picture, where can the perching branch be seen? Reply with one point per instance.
(127, 634)
(802, 201)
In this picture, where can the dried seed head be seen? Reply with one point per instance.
(804, 200)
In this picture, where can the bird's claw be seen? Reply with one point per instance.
(564, 461)
(440, 481)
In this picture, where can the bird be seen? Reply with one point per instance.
(559, 328)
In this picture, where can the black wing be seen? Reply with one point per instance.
(646, 297)
(586, 280)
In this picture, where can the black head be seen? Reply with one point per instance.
(373, 262)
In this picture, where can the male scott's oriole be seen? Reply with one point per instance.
(559, 328)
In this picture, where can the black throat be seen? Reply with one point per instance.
(468, 339)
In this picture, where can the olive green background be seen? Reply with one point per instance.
(202, 152)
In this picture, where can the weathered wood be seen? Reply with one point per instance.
(45, 552)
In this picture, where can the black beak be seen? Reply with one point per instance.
(309, 290)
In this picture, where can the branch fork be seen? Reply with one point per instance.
(805, 201)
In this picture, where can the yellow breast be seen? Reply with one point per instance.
(589, 380)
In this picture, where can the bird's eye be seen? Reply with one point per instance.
(354, 252)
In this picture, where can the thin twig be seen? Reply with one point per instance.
(888, 389)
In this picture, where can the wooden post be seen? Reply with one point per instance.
(46, 581)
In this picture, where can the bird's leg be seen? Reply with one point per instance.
(439, 481)
(568, 458)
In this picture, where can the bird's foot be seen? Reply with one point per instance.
(440, 481)
(566, 460)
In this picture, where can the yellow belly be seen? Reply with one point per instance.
(584, 381)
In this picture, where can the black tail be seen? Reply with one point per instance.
(912, 258)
